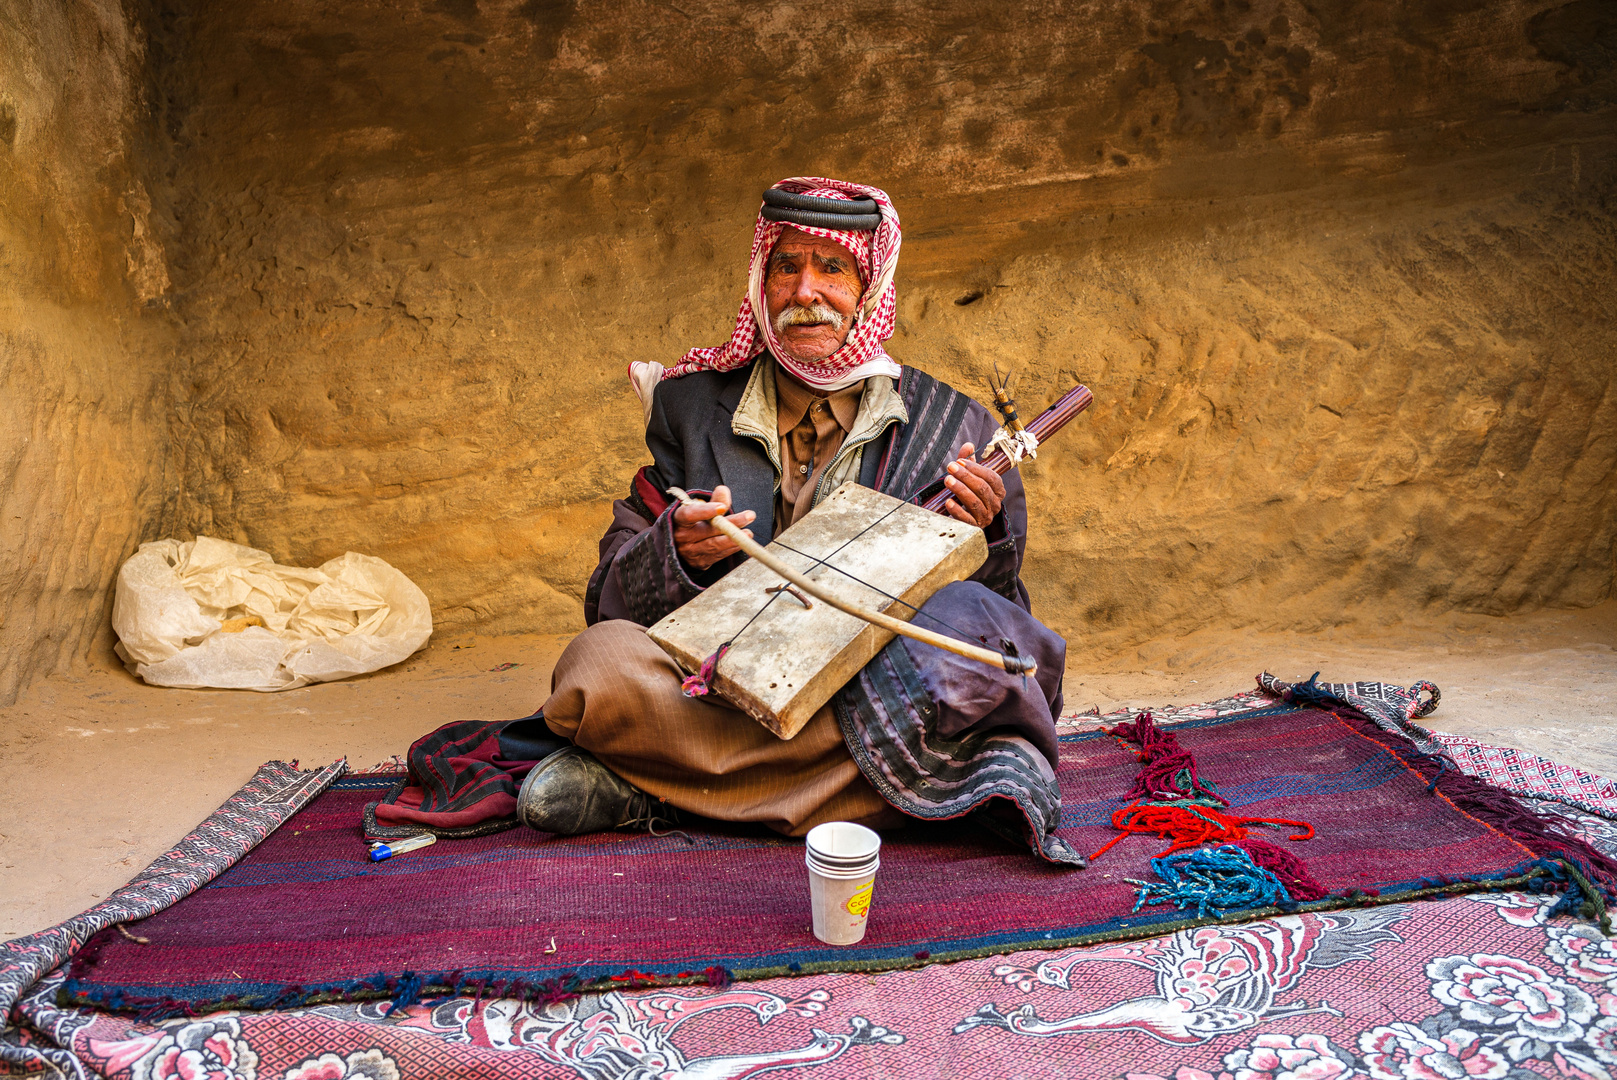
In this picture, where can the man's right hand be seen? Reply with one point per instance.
(695, 538)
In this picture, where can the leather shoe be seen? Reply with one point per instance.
(570, 792)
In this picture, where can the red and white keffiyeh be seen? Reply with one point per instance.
(861, 355)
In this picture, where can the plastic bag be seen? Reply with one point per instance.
(209, 613)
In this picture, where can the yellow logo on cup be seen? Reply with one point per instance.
(859, 903)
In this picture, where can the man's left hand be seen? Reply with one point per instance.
(978, 492)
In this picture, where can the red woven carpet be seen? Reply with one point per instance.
(306, 917)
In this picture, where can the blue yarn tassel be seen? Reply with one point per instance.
(1311, 693)
(1580, 897)
(1218, 880)
(409, 992)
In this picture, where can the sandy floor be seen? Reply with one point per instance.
(101, 772)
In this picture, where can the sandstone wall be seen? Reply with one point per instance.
(85, 347)
(1339, 272)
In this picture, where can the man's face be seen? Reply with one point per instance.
(812, 288)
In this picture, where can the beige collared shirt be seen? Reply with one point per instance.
(811, 428)
(761, 415)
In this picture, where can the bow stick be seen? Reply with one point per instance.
(1015, 665)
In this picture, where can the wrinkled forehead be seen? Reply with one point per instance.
(797, 242)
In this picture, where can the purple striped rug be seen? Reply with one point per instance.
(305, 917)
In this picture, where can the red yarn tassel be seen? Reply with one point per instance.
(700, 684)
(1189, 826)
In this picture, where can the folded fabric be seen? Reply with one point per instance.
(463, 779)
(210, 613)
(1391, 708)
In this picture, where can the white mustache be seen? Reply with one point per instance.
(798, 315)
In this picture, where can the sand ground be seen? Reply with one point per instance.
(101, 772)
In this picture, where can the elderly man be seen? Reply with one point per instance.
(801, 399)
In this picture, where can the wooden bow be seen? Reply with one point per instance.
(1015, 665)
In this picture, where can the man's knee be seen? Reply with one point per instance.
(609, 642)
(620, 632)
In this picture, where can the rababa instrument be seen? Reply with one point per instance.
(870, 560)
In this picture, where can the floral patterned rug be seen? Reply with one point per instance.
(1478, 986)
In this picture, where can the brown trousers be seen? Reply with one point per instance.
(616, 694)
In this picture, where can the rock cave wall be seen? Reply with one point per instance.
(86, 347)
(1339, 273)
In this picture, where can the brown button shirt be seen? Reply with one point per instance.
(811, 427)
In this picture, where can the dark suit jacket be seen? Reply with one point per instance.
(640, 576)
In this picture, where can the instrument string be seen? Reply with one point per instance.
(813, 563)
(698, 685)
(907, 500)
(825, 561)
(852, 577)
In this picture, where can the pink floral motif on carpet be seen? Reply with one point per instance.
(1481, 986)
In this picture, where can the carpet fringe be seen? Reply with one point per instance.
(1571, 864)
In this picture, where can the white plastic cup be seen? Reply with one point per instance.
(842, 862)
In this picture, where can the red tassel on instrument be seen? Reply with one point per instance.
(700, 684)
